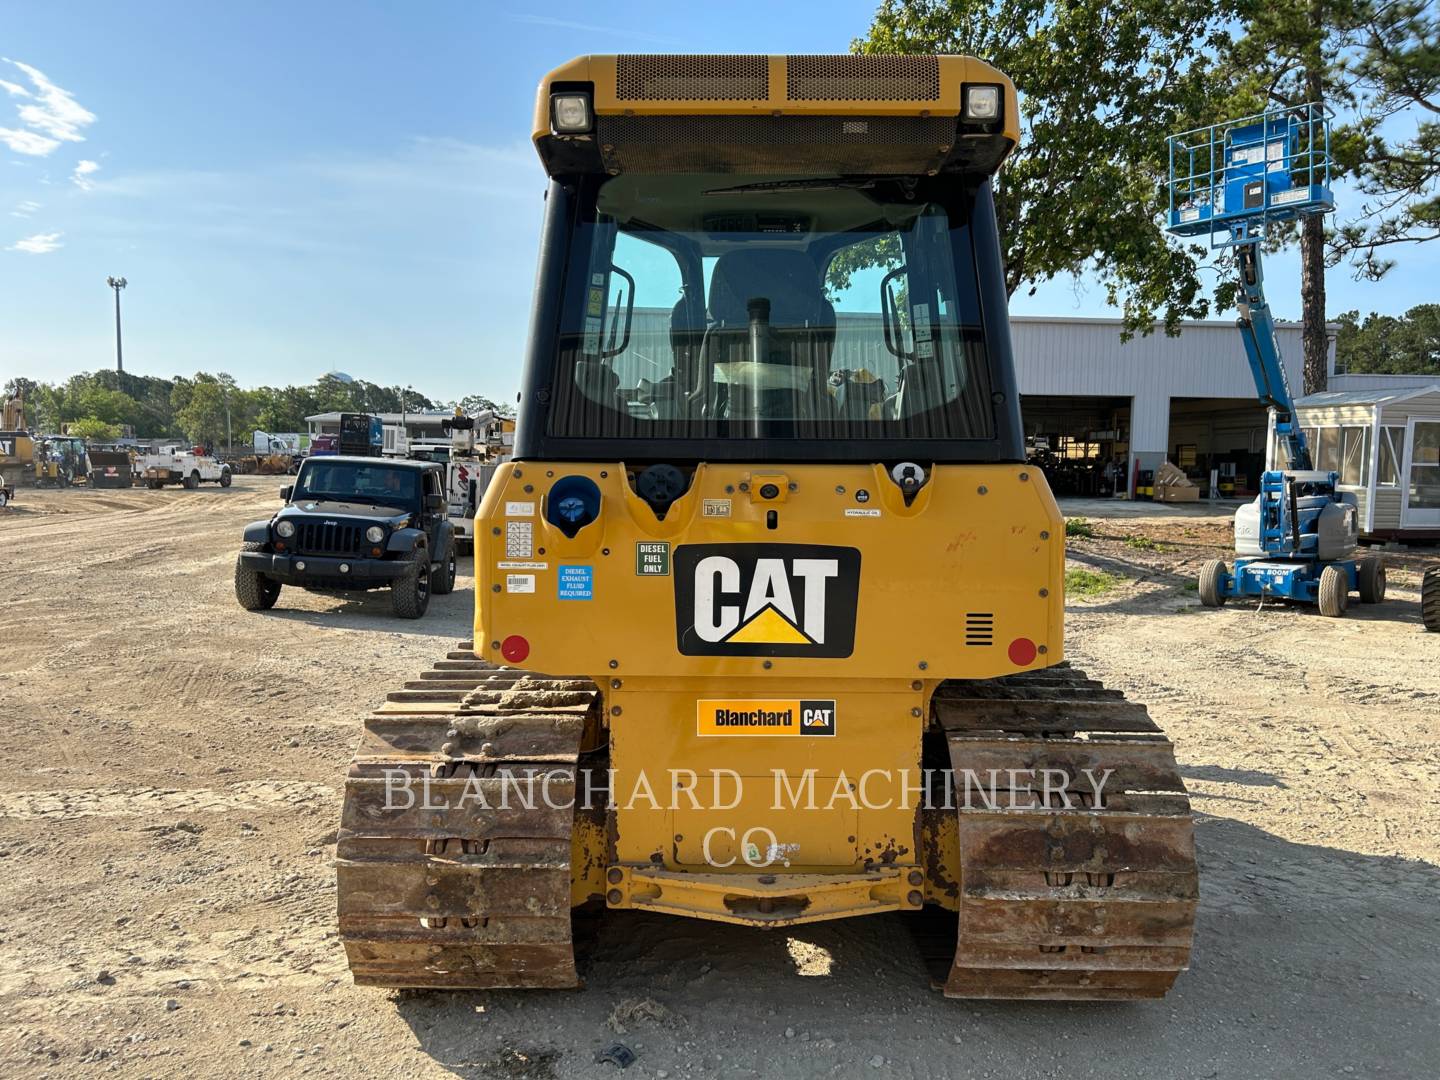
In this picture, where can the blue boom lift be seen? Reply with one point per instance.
(1298, 539)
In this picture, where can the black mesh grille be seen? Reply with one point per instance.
(980, 628)
(328, 538)
(862, 78)
(767, 144)
(692, 78)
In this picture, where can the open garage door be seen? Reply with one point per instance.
(1080, 443)
(1223, 435)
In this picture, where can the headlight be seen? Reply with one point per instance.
(374, 534)
(285, 529)
(570, 114)
(982, 103)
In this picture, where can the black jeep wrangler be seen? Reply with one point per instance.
(352, 524)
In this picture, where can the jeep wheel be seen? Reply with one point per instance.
(254, 591)
(443, 580)
(192, 481)
(410, 592)
(224, 477)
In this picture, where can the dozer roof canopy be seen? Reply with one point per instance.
(839, 115)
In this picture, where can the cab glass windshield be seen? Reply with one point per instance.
(353, 481)
(705, 306)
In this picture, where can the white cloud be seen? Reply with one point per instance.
(27, 142)
(591, 28)
(50, 113)
(25, 209)
(39, 244)
(81, 175)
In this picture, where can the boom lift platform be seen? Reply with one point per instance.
(1227, 183)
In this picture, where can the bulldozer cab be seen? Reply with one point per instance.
(755, 294)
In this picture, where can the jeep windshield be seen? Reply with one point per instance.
(357, 482)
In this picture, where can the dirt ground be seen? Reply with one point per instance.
(172, 769)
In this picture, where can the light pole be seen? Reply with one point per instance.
(117, 283)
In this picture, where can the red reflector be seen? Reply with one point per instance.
(515, 648)
(1022, 651)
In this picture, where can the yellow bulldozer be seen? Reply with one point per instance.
(769, 607)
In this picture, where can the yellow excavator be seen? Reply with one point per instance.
(769, 607)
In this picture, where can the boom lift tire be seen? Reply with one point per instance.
(1372, 580)
(255, 592)
(1430, 599)
(1334, 592)
(410, 592)
(1212, 574)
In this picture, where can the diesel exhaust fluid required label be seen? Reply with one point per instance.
(765, 599)
(765, 717)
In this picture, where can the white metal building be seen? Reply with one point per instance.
(1189, 398)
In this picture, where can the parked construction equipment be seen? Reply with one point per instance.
(110, 469)
(17, 450)
(1227, 182)
(474, 447)
(189, 467)
(773, 546)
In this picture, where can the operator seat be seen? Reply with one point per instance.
(687, 335)
(801, 336)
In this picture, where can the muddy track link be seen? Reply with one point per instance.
(465, 896)
(1094, 902)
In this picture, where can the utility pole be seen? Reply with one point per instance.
(117, 283)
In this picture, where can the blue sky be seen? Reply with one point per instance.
(292, 188)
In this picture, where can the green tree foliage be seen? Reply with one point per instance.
(1101, 86)
(195, 408)
(475, 404)
(98, 430)
(205, 406)
(1396, 62)
(1387, 345)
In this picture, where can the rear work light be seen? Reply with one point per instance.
(981, 102)
(570, 114)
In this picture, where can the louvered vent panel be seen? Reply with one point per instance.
(862, 78)
(692, 78)
(980, 628)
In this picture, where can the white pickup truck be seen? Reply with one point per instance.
(176, 465)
